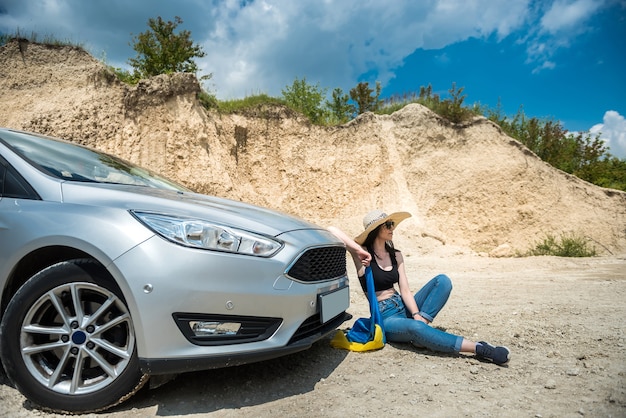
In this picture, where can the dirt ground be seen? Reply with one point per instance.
(562, 318)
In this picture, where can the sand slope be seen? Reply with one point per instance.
(470, 188)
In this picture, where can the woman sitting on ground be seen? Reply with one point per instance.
(407, 317)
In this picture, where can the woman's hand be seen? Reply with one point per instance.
(419, 317)
(359, 255)
(364, 256)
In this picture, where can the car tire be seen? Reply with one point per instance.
(68, 341)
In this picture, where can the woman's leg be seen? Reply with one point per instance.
(432, 297)
(403, 330)
(399, 328)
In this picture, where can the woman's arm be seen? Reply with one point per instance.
(405, 291)
(360, 257)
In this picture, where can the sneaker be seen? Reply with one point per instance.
(498, 355)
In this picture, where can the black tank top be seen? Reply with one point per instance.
(383, 279)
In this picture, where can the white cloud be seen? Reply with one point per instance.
(262, 45)
(546, 65)
(560, 23)
(566, 15)
(269, 43)
(613, 132)
(101, 27)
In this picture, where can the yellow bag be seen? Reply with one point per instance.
(340, 341)
(366, 333)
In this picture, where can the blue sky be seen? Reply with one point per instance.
(563, 59)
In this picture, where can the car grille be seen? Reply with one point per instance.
(313, 327)
(319, 264)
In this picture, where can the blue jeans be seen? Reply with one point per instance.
(401, 327)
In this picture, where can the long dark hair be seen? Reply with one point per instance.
(369, 241)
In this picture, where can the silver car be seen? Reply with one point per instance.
(110, 274)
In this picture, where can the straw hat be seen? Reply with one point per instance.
(377, 217)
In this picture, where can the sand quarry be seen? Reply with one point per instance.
(478, 198)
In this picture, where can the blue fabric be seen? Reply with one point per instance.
(364, 328)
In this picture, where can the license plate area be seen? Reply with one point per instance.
(333, 303)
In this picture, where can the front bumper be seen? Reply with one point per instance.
(163, 281)
(183, 365)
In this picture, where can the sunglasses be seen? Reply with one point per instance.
(389, 224)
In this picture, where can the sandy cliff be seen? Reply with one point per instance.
(470, 188)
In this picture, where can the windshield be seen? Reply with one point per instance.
(73, 162)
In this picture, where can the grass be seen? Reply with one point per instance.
(567, 245)
(241, 105)
(124, 76)
(49, 40)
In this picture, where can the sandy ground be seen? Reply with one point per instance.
(562, 318)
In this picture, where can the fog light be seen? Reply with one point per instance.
(215, 328)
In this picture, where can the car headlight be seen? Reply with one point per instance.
(198, 233)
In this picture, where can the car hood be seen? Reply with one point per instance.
(185, 204)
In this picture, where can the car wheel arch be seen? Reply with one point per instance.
(36, 261)
(101, 283)
(46, 256)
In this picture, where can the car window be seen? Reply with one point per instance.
(13, 185)
(71, 162)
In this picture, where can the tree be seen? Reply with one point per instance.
(580, 154)
(427, 98)
(610, 172)
(363, 96)
(161, 51)
(452, 108)
(306, 98)
(339, 107)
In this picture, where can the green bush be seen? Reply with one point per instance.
(307, 99)
(125, 76)
(451, 108)
(341, 111)
(579, 154)
(161, 51)
(207, 100)
(568, 245)
(364, 97)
